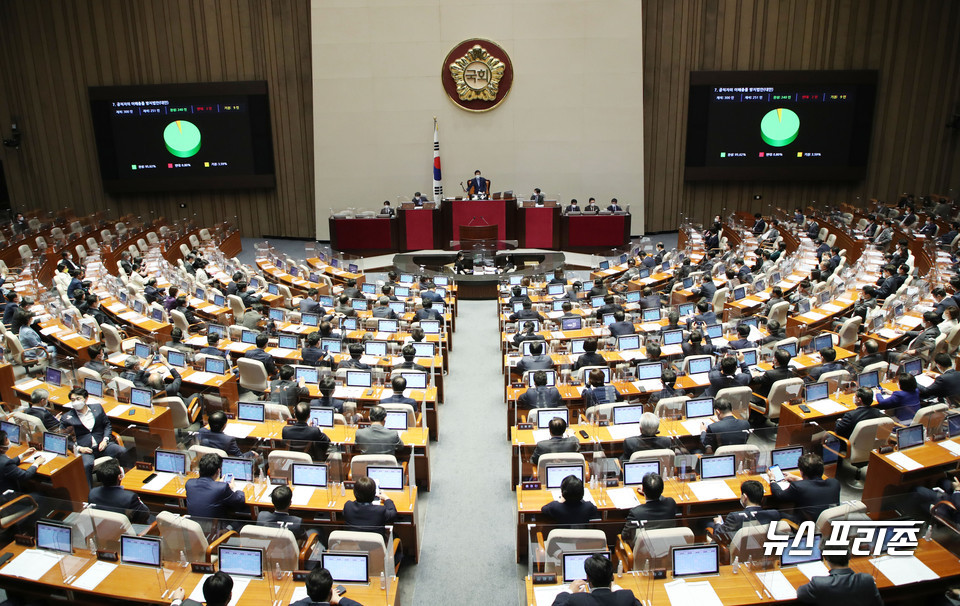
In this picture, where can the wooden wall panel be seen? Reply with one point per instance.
(912, 43)
(50, 52)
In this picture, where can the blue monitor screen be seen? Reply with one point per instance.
(699, 365)
(786, 458)
(870, 380)
(652, 370)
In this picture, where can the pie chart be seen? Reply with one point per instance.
(182, 138)
(779, 127)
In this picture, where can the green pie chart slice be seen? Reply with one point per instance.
(182, 138)
(780, 127)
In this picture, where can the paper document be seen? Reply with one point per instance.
(813, 316)
(541, 434)
(903, 461)
(622, 432)
(832, 308)
(902, 570)
(827, 407)
(546, 594)
(924, 380)
(649, 385)
(888, 333)
(238, 430)
(163, 478)
(302, 494)
(238, 347)
(299, 593)
(712, 490)
(624, 497)
(951, 446)
(49, 330)
(94, 575)
(692, 426)
(31, 384)
(814, 569)
(119, 409)
(681, 593)
(276, 352)
(239, 585)
(778, 585)
(650, 327)
(200, 377)
(31, 564)
(129, 316)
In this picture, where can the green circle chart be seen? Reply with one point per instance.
(182, 138)
(780, 127)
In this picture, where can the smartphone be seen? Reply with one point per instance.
(149, 477)
(777, 474)
(584, 434)
(341, 590)
(228, 478)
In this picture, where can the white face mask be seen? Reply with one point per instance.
(75, 405)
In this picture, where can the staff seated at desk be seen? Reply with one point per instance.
(207, 497)
(92, 430)
(655, 509)
(571, 510)
(649, 438)
(809, 492)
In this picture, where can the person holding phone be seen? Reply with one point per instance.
(363, 513)
(320, 589)
(207, 497)
(751, 498)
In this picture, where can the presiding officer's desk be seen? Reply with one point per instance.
(897, 473)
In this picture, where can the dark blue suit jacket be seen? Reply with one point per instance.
(262, 356)
(810, 497)
(842, 586)
(208, 498)
(728, 430)
(540, 397)
(227, 444)
(49, 421)
(622, 328)
(599, 596)
(735, 520)
(119, 500)
(281, 520)
(571, 513)
(88, 437)
(370, 517)
(11, 475)
(946, 385)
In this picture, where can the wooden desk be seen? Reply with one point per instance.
(67, 339)
(886, 479)
(65, 475)
(137, 324)
(7, 393)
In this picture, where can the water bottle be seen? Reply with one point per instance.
(277, 573)
(383, 581)
(343, 489)
(183, 559)
(928, 535)
(620, 568)
(92, 544)
(736, 564)
(740, 468)
(646, 567)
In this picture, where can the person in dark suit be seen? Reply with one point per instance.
(648, 438)
(781, 370)
(363, 514)
(924, 342)
(535, 361)
(668, 376)
(285, 390)
(589, 357)
(10, 307)
(598, 289)
(527, 333)
(842, 585)
(649, 299)
(478, 186)
(863, 399)
(743, 331)
(591, 206)
(377, 439)
(727, 430)
(869, 354)
(609, 306)
(398, 384)
(705, 291)
(596, 591)
(571, 511)
(312, 354)
(526, 313)
(703, 317)
(759, 225)
(303, 436)
(91, 429)
(595, 392)
(828, 357)
(10, 473)
(382, 310)
(556, 442)
(427, 312)
(311, 303)
(905, 402)
(810, 494)
(217, 591)
(751, 498)
(695, 345)
(208, 497)
(726, 375)
(213, 437)
(888, 284)
(327, 386)
(539, 396)
(387, 211)
(96, 363)
(39, 407)
(113, 497)
(947, 385)
(655, 508)
(280, 516)
(615, 206)
(353, 362)
(620, 326)
(259, 354)
(320, 590)
(537, 196)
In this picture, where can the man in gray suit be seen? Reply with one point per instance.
(377, 439)
(841, 585)
(536, 360)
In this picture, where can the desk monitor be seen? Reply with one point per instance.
(649, 371)
(396, 420)
(215, 365)
(241, 561)
(644, 273)
(425, 349)
(607, 319)
(717, 466)
(551, 377)
(651, 315)
(441, 280)
(397, 307)
(749, 357)
(123, 296)
(430, 327)
(801, 554)
(322, 416)
(358, 304)
(54, 376)
(814, 392)
(748, 322)
(217, 329)
(142, 350)
(240, 469)
(157, 314)
(898, 311)
(326, 300)
(576, 346)
(831, 446)
(410, 279)
(170, 461)
(686, 309)
(54, 537)
(276, 314)
(822, 342)
(953, 425)
(255, 283)
(695, 560)
(604, 265)
(144, 551)
(349, 324)
(368, 288)
(596, 301)
(288, 342)
(137, 307)
(308, 374)
(913, 366)
(573, 562)
(86, 331)
(628, 342)
(672, 337)
(390, 326)
(803, 306)
(790, 347)
(387, 478)
(688, 283)
(557, 305)
(273, 289)
(309, 475)
(556, 474)
(545, 415)
(375, 348)
(141, 397)
(774, 277)
(634, 471)
(699, 365)
(517, 306)
(415, 380)
(698, 408)
(220, 300)
(12, 430)
(525, 347)
(571, 323)
(250, 411)
(402, 291)
(249, 337)
(910, 436)
(93, 387)
(55, 443)
(739, 293)
(870, 380)
(310, 319)
(759, 286)
(633, 296)
(359, 378)
(786, 458)
(714, 331)
(331, 345)
(353, 268)
(175, 358)
(522, 323)
(623, 415)
(345, 567)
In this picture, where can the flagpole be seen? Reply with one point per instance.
(437, 185)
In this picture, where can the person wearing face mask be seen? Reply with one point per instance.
(751, 497)
(91, 429)
(10, 473)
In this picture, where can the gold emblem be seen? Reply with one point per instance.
(477, 75)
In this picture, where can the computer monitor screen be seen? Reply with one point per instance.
(430, 327)
(628, 342)
(634, 471)
(633, 296)
(250, 411)
(388, 478)
(249, 337)
(898, 311)
(688, 283)
(12, 430)
(170, 461)
(576, 345)
(816, 391)
(822, 342)
(157, 315)
(255, 283)
(54, 376)
(425, 350)
(759, 286)
(699, 365)
(359, 378)
(309, 475)
(790, 347)
(137, 307)
(216, 329)
(643, 273)
(556, 474)
(685, 309)
(571, 323)
(273, 289)
(650, 370)
(573, 562)
(144, 551)
(345, 567)
(308, 374)
(555, 289)
(748, 322)
(525, 347)
(415, 380)
(141, 350)
(627, 414)
(749, 356)
(913, 366)
(557, 305)
(141, 397)
(219, 300)
(801, 554)
(402, 291)
(545, 415)
(55, 443)
(803, 306)
(908, 437)
(739, 293)
(288, 342)
(651, 315)
(240, 469)
(551, 377)
(695, 560)
(953, 425)
(369, 288)
(410, 278)
(86, 331)
(438, 307)
(55, 537)
(215, 365)
(714, 331)
(388, 326)
(608, 319)
(596, 301)
(441, 280)
(775, 277)
(700, 407)
(241, 561)
(786, 458)
(349, 324)
(717, 466)
(333, 346)
(275, 314)
(604, 265)
(397, 307)
(672, 337)
(175, 358)
(870, 380)
(358, 304)
(326, 301)
(375, 348)
(396, 420)
(310, 319)
(93, 387)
